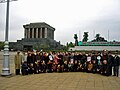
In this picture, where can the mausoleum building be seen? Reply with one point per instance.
(36, 36)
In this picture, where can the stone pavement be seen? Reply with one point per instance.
(58, 81)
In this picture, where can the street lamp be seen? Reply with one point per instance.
(6, 63)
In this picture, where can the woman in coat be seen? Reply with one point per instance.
(18, 62)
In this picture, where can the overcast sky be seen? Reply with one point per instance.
(68, 17)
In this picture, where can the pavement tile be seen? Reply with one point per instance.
(80, 88)
(98, 88)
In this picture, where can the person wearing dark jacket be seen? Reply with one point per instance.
(105, 68)
(60, 62)
(110, 61)
(83, 61)
(33, 55)
(45, 62)
(94, 70)
(116, 63)
(37, 62)
(66, 60)
(75, 67)
(30, 63)
(24, 68)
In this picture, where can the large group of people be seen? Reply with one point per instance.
(43, 62)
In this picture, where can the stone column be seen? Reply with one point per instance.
(28, 33)
(32, 32)
(53, 35)
(37, 33)
(40, 32)
(45, 33)
(25, 33)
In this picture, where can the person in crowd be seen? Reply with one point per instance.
(30, 63)
(90, 67)
(110, 62)
(50, 62)
(37, 62)
(93, 57)
(66, 60)
(79, 62)
(94, 69)
(105, 68)
(104, 56)
(45, 62)
(24, 56)
(24, 68)
(60, 62)
(18, 62)
(116, 63)
(99, 62)
(41, 65)
(66, 56)
(55, 62)
(83, 61)
(75, 67)
(71, 62)
(88, 63)
(33, 55)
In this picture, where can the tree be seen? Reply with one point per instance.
(99, 39)
(1, 45)
(114, 41)
(67, 44)
(41, 46)
(76, 39)
(65, 48)
(85, 37)
(71, 44)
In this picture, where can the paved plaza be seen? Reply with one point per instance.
(57, 81)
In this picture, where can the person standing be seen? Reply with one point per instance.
(18, 62)
(50, 62)
(110, 62)
(83, 61)
(116, 63)
(99, 62)
(25, 54)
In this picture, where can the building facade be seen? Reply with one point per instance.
(36, 36)
(38, 30)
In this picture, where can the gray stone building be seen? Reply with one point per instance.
(36, 36)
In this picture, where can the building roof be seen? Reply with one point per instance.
(38, 25)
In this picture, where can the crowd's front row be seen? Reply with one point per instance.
(42, 62)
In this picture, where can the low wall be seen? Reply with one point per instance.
(96, 48)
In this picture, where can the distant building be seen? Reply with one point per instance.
(36, 36)
(97, 46)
